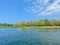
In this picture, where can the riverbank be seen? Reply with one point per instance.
(39, 27)
(29, 26)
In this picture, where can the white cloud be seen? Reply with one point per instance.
(44, 7)
(53, 8)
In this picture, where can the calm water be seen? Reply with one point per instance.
(16, 36)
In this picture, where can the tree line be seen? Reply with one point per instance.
(5, 24)
(45, 22)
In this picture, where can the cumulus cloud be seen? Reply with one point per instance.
(43, 7)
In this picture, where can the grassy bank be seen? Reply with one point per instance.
(29, 26)
(39, 27)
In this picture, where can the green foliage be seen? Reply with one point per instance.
(33, 23)
(40, 23)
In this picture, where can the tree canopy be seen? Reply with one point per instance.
(45, 22)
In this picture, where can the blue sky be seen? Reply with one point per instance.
(12, 11)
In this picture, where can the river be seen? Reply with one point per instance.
(19, 36)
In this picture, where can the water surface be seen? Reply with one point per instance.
(18, 36)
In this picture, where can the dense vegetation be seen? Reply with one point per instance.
(33, 24)
(40, 23)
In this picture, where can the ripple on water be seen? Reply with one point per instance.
(13, 36)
